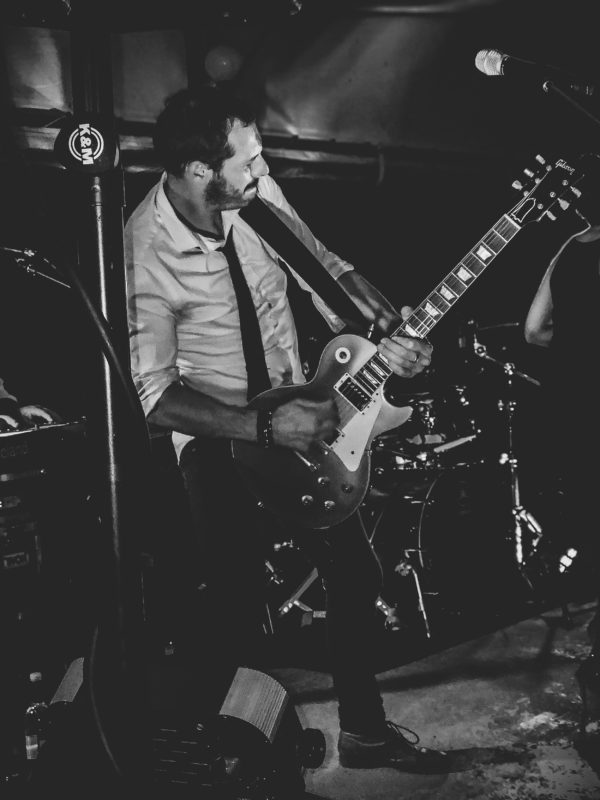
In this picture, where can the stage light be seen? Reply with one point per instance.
(222, 63)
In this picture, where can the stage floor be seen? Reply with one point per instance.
(506, 703)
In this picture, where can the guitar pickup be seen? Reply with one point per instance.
(352, 392)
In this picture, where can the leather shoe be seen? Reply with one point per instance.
(391, 749)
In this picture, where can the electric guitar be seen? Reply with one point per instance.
(324, 488)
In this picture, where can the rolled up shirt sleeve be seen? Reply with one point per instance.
(153, 342)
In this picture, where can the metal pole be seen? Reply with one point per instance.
(118, 675)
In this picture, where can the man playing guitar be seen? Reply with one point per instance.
(187, 247)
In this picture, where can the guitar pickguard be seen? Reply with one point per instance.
(352, 442)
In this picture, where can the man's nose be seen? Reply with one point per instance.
(260, 168)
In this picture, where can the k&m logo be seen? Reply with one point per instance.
(86, 144)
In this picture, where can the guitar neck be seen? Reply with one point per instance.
(362, 386)
(458, 280)
(537, 203)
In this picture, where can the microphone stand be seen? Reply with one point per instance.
(551, 88)
(25, 258)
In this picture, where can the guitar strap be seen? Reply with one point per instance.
(313, 330)
(292, 250)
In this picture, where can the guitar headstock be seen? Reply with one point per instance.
(558, 188)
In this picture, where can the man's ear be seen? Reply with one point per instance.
(198, 169)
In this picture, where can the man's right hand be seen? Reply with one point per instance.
(302, 424)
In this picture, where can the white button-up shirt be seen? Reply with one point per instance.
(183, 315)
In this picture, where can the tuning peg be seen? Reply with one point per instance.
(576, 191)
(564, 204)
(541, 160)
(517, 185)
(551, 216)
(528, 172)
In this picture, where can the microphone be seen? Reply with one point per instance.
(492, 62)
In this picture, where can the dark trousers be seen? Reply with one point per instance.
(232, 536)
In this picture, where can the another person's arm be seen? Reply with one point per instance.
(36, 415)
(538, 327)
(15, 415)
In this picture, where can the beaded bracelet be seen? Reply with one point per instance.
(264, 428)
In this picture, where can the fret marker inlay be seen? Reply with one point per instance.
(447, 293)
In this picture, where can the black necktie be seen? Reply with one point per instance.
(254, 353)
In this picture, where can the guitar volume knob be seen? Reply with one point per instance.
(323, 480)
(307, 499)
(329, 505)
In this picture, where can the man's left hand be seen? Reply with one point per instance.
(406, 356)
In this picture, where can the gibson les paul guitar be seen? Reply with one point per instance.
(322, 489)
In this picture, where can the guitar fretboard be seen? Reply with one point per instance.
(458, 280)
(376, 371)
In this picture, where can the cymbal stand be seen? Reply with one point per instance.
(522, 518)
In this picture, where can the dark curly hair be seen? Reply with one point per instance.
(194, 125)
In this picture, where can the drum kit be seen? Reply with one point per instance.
(444, 511)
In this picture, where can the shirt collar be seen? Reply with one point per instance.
(184, 238)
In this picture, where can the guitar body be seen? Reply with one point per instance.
(324, 488)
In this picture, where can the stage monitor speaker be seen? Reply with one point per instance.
(259, 734)
(255, 747)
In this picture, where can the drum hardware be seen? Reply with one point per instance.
(405, 568)
(442, 448)
(273, 576)
(522, 518)
(294, 599)
(410, 564)
(276, 578)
